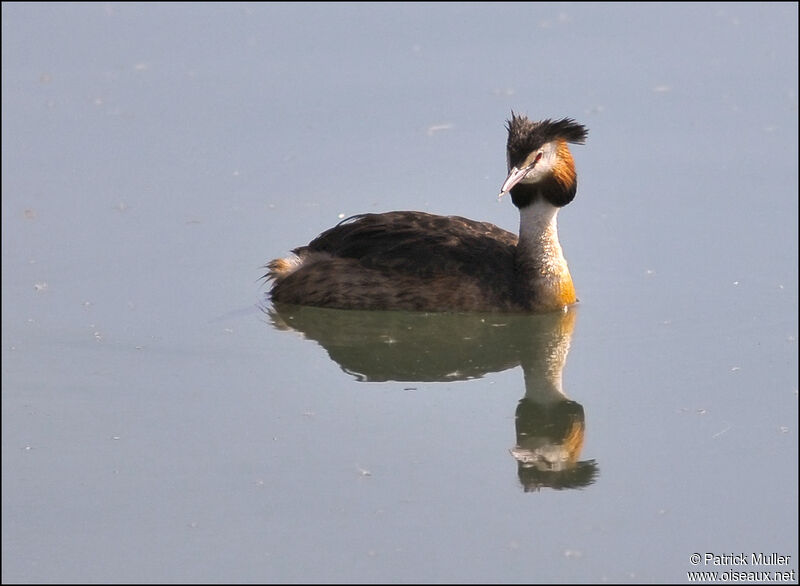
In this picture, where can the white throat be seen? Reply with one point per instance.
(540, 261)
(538, 231)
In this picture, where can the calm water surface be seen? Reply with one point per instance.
(161, 422)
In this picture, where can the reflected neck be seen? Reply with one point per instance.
(543, 363)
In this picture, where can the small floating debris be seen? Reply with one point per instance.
(508, 91)
(719, 433)
(438, 128)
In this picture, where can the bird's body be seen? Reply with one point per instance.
(420, 261)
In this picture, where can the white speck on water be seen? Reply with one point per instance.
(504, 91)
(719, 433)
(433, 129)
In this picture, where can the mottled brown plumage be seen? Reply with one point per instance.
(404, 260)
(420, 261)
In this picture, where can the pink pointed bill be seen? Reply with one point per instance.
(514, 177)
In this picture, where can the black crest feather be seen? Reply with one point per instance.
(525, 136)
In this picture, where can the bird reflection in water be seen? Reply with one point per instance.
(550, 427)
(438, 347)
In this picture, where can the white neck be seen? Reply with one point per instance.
(540, 262)
(538, 237)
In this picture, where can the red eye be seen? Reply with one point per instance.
(538, 156)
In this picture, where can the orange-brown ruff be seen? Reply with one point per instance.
(420, 261)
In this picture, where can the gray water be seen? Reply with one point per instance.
(162, 422)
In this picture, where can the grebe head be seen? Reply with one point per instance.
(540, 165)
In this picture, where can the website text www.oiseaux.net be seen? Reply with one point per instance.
(741, 568)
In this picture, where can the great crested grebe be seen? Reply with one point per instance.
(421, 261)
